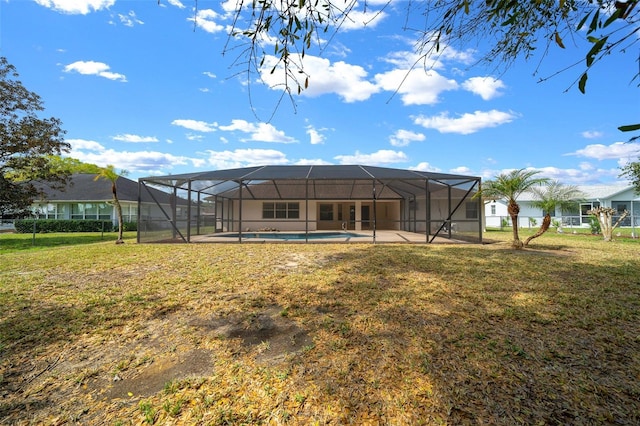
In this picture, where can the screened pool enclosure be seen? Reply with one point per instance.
(310, 199)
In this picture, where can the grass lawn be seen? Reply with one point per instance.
(98, 333)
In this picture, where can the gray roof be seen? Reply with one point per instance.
(592, 192)
(327, 181)
(84, 187)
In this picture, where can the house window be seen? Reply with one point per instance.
(584, 208)
(77, 211)
(493, 209)
(326, 211)
(472, 210)
(280, 210)
(104, 211)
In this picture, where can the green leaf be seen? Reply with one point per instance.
(582, 21)
(629, 128)
(559, 40)
(613, 17)
(595, 50)
(594, 22)
(583, 82)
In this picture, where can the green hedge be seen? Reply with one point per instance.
(25, 226)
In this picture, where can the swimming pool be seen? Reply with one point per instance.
(295, 235)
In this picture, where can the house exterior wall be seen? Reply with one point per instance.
(496, 211)
(323, 215)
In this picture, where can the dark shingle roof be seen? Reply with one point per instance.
(84, 187)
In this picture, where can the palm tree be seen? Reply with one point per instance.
(109, 173)
(510, 186)
(550, 197)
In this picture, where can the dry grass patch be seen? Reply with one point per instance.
(326, 334)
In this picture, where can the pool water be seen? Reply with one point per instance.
(295, 235)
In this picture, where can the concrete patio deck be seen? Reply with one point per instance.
(363, 237)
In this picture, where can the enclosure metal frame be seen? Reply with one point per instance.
(408, 185)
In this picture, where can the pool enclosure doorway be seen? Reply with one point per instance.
(310, 199)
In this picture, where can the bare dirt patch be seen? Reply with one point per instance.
(270, 332)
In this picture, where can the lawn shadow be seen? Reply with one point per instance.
(550, 339)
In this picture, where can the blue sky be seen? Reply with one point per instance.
(145, 87)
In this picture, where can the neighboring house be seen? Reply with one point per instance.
(618, 196)
(87, 198)
(311, 198)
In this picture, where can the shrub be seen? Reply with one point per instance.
(25, 226)
(594, 224)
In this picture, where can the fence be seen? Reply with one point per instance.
(630, 223)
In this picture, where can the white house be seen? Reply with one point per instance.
(620, 196)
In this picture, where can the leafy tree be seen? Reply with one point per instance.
(72, 165)
(26, 144)
(514, 29)
(549, 197)
(109, 173)
(510, 186)
(632, 171)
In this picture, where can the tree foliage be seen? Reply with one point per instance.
(288, 29)
(509, 186)
(632, 172)
(27, 143)
(549, 197)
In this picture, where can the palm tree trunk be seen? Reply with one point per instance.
(514, 210)
(116, 202)
(546, 223)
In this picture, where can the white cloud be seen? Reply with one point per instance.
(245, 158)
(425, 167)
(94, 68)
(592, 134)
(312, 162)
(209, 74)
(176, 3)
(461, 170)
(315, 137)
(383, 156)
(206, 19)
(130, 19)
(127, 137)
(615, 151)
(83, 144)
(579, 176)
(467, 123)
(198, 126)
(145, 162)
(405, 137)
(487, 87)
(345, 80)
(76, 7)
(417, 86)
(260, 132)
